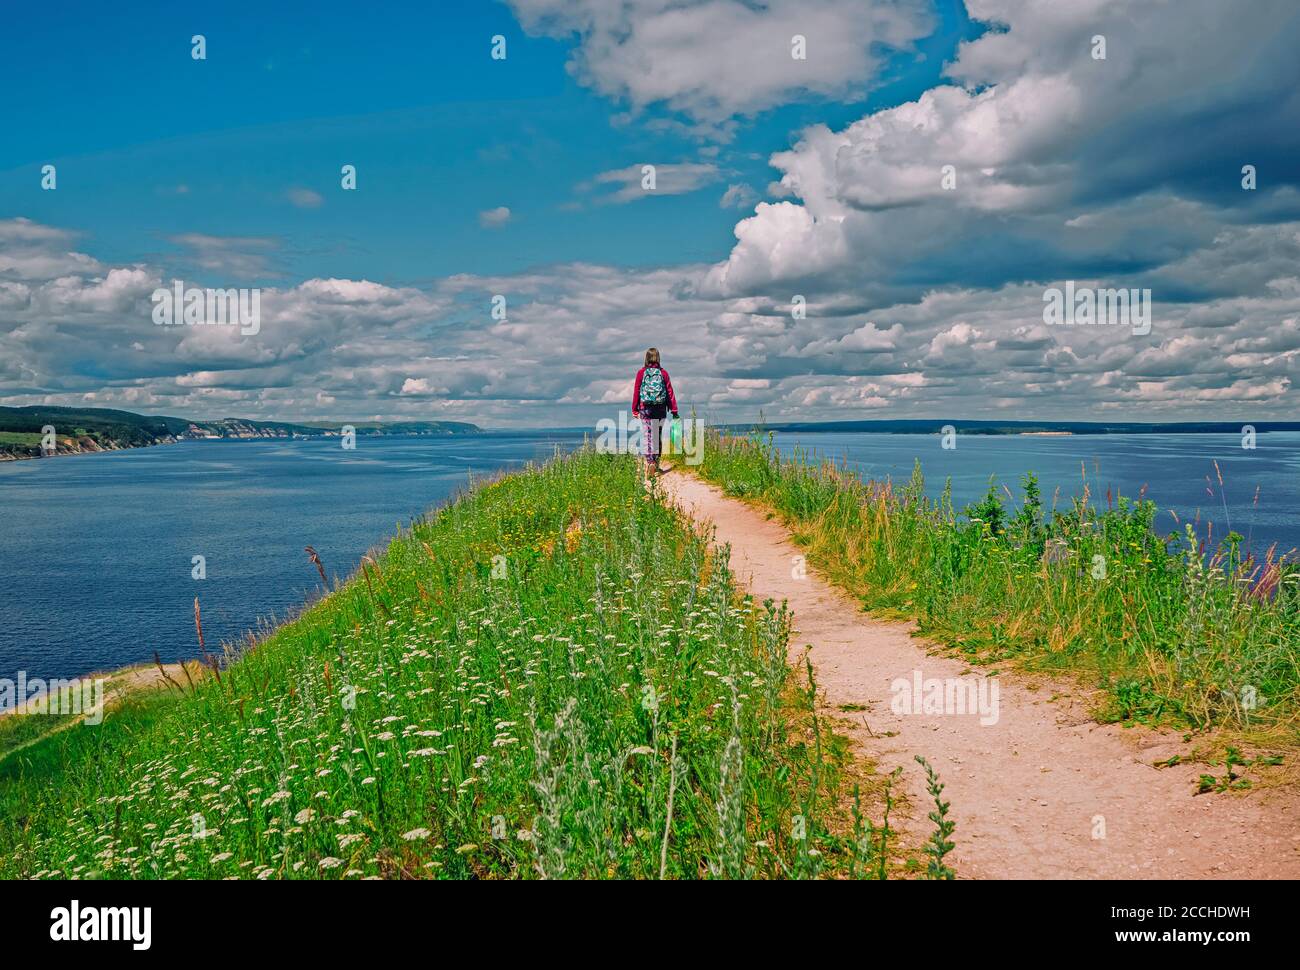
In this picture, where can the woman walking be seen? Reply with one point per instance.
(652, 399)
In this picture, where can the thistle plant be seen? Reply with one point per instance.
(938, 846)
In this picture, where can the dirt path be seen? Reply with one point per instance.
(1030, 792)
(116, 685)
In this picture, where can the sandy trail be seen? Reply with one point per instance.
(1029, 791)
(117, 684)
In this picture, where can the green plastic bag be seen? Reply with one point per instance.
(675, 433)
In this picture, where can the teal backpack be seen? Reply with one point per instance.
(653, 390)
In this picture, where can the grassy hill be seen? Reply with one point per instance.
(124, 427)
(552, 676)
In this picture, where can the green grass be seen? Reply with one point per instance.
(521, 686)
(20, 438)
(1180, 628)
(19, 730)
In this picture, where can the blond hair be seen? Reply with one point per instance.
(652, 357)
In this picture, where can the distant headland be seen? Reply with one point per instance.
(25, 431)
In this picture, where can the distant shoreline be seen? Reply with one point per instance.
(89, 446)
(70, 446)
(937, 425)
(98, 430)
(26, 432)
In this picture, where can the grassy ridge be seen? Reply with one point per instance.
(1171, 629)
(552, 676)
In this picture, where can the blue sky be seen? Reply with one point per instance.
(150, 143)
(777, 178)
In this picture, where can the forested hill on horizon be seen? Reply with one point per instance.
(79, 430)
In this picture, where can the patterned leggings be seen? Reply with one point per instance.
(651, 429)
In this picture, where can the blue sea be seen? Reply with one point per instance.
(96, 551)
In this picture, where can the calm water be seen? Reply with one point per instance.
(95, 550)
(1174, 469)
